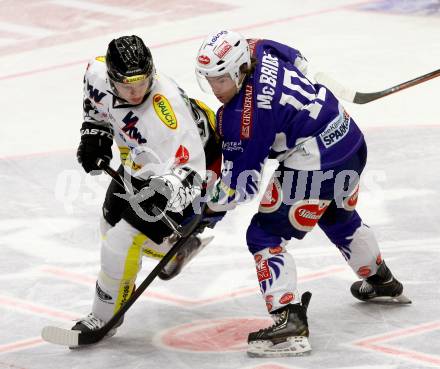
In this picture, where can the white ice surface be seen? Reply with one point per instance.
(49, 208)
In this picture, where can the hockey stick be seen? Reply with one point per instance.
(66, 337)
(73, 338)
(366, 97)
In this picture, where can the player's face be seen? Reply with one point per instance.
(223, 87)
(134, 92)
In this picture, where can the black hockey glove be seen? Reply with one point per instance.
(96, 142)
(152, 199)
(209, 219)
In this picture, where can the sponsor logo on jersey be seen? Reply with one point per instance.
(272, 198)
(263, 271)
(350, 202)
(220, 121)
(164, 111)
(286, 298)
(216, 37)
(306, 213)
(130, 120)
(246, 115)
(335, 131)
(268, 79)
(182, 155)
(364, 271)
(223, 49)
(232, 146)
(94, 93)
(204, 59)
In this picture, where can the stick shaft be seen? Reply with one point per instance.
(356, 97)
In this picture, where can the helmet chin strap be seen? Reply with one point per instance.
(239, 82)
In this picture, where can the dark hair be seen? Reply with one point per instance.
(249, 70)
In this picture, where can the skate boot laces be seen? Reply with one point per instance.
(366, 287)
(278, 318)
(92, 322)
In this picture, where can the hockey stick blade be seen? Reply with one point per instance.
(60, 336)
(71, 338)
(365, 97)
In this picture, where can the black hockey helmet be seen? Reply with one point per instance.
(129, 60)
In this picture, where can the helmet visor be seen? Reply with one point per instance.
(223, 87)
(134, 89)
(218, 84)
(203, 84)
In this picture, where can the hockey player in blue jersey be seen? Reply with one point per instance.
(271, 110)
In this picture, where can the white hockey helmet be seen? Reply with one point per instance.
(222, 52)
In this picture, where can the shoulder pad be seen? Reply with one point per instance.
(96, 71)
(200, 105)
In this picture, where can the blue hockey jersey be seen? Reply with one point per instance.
(280, 114)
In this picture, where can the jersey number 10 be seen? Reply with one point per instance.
(315, 100)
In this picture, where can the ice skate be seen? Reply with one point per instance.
(287, 337)
(381, 287)
(90, 323)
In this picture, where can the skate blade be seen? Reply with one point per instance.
(60, 336)
(387, 300)
(294, 346)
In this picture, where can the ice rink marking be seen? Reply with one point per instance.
(192, 38)
(371, 343)
(21, 345)
(63, 274)
(21, 305)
